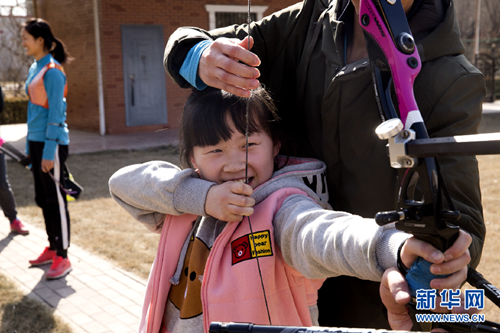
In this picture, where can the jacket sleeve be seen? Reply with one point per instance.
(323, 243)
(1, 100)
(54, 81)
(152, 190)
(270, 35)
(458, 112)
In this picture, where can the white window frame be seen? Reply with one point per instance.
(212, 9)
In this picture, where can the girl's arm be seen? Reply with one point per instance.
(152, 190)
(54, 82)
(323, 243)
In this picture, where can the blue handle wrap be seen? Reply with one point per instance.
(419, 276)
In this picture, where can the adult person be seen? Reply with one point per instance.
(47, 141)
(7, 200)
(313, 57)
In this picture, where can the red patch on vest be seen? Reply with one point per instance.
(243, 247)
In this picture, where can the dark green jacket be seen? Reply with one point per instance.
(1, 99)
(330, 109)
(338, 114)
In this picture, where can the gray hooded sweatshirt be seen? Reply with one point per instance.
(315, 240)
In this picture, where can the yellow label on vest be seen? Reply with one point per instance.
(243, 248)
(262, 243)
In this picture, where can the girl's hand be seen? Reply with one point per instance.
(454, 261)
(47, 165)
(230, 201)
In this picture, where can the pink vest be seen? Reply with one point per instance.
(36, 88)
(231, 289)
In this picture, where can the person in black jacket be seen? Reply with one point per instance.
(312, 57)
(7, 201)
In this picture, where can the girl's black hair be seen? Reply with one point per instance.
(38, 27)
(204, 119)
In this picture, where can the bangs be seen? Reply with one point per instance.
(209, 125)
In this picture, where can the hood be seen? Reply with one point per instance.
(303, 173)
(433, 25)
(435, 29)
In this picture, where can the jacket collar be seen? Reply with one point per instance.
(44, 61)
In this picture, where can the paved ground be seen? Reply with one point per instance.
(96, 297)
(491, 118)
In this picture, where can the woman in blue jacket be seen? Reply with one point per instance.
(47, 141)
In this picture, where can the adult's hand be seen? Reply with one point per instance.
(230, 201)
(395, 294)
(47, 165)
(220, 66)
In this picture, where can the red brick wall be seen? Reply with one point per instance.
(72, 20)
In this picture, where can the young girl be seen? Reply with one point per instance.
(47, 141)
(209, 270)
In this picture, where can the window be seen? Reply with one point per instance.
(224, 15)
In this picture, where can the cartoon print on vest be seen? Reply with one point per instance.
(240, 250)
(186, 296)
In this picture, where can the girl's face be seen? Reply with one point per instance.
(34, 47)
(226, 160)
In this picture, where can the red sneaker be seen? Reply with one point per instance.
(44, 258)
(18, 227)
(60, 267)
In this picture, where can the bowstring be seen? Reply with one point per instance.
(249, 29)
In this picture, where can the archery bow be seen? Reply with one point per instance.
(395, 64)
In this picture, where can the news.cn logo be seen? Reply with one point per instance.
(427, 299)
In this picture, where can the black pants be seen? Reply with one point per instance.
(7, 201)
(50, 197)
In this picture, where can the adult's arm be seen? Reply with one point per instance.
(1, 100)
(272, 36)
(54, 81)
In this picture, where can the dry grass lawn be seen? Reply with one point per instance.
(14, 307)
(101, 226)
